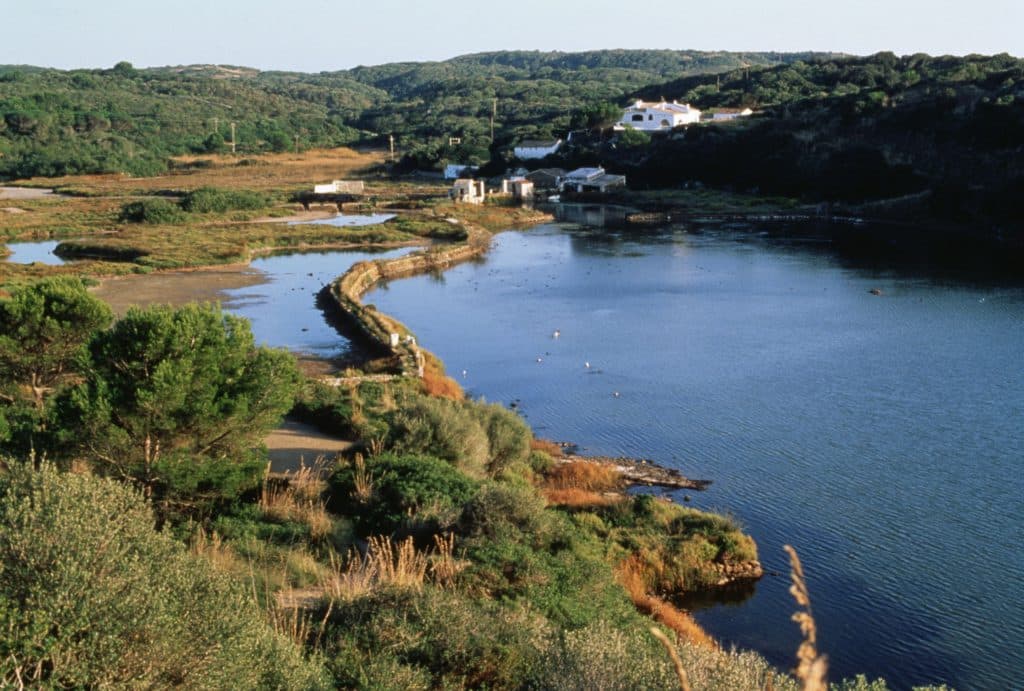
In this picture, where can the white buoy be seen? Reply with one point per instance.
(616, 394)
(540, 359)
(557, 333)
(586, 364)
(463, 374)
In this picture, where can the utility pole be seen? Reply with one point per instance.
(216, 124)
(296, 143)
(232, 137)
(494, 114)
(391, 141)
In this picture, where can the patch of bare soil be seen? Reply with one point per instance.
(24, 193)
(176, 287)
(13, 210)
(295, 443)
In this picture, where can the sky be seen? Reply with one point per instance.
(327, 35)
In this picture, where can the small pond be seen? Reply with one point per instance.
(348, 220)
(31, 252)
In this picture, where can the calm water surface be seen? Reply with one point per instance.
(882, 436)
(29, 252)
(283, 310)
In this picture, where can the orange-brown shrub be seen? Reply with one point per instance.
(579, 498)
(630, 575)
(436, 383)
(593, 477)
(549, 447)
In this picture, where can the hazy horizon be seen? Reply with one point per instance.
(324, 35)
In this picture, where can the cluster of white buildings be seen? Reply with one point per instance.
(646, 116)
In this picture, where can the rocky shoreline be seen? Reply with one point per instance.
(637, 471)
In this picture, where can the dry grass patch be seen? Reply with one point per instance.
(551, 448)
(584, 475)
(575, 498)
(436, 383)
(256, 171)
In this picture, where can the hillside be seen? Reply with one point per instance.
(55, 122)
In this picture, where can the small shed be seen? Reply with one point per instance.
(467, 191)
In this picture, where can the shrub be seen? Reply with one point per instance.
(453, 640)
(508, 436)
(92, 596)
(155, 211)
(499, 510)
(410, 493)
(443, 429)
(211, 200)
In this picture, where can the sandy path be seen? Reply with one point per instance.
(294, 443)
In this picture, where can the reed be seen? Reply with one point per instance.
(574, 498)
(811, 667)
(583, 475)
(298, 499)
(362, 481)
(384, 564)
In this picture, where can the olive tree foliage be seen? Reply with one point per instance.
(177, 400)
(43, 329)
(93, 596)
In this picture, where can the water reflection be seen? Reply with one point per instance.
(348, 220)
(31, 252)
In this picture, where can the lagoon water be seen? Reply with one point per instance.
(283, 310)
(881, 435)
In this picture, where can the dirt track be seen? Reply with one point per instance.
(294, 443)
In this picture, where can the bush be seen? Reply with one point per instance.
(410, 493)
(499, 510)
(508, 436)
(211, 200)
(443, 429)
(155, 211)
(434, 639)
(92, 596)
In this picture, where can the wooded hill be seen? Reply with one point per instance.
(55, 122)
(946, 131)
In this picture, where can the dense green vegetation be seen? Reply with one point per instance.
(127, 120)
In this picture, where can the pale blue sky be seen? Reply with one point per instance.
(321, 35)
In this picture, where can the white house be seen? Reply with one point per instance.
(518, 187)
(648, 116)
(340, 187)
(536, 148)
(591, 180)
(726, 114)
(468, 191)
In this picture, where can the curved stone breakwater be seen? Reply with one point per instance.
(386, 333)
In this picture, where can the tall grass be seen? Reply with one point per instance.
(298, 499)
(583, 475)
